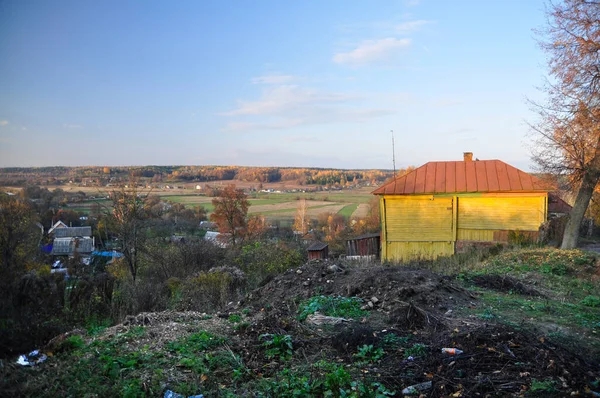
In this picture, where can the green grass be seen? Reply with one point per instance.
(348, 210)
(344, 307)
(293, 211)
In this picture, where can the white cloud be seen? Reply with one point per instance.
(371, 50)
(410, 26)
(287, 106)
(3, 122)
(284, 98)
(273, 79)
(73, 126)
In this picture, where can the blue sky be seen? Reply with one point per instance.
(267, 83)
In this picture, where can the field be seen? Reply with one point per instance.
(282, 206)
(276, 206)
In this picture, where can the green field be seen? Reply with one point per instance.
(275, 206)
(282, 206)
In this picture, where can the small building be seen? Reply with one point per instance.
(57, 225)
(318, 251)
(367, 245)
(70, 240)
(557, 207)
(208, 225)
(445, 207)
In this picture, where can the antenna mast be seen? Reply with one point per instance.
(393, 154)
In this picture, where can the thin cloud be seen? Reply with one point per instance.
(370, 51)
(445, 102)
(283, 98)
(273, 79)
(73, 126)
(411, 26)
(288, 106)
(3, 122)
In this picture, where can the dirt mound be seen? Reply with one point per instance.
(413, 307)
(504, 283)
(394, 291)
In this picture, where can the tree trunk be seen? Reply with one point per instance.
(584, 195)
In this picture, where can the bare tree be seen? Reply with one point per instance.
(129, 215)
(567, 135)
(301, 220)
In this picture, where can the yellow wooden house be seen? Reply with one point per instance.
(442, 207)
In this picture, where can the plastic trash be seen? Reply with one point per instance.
(172, 394)
(31, 359)
(417, 388)
(452, 351)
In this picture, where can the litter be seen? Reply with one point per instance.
(172, 394)
(417, 388)
(31, 359)
(452, 351)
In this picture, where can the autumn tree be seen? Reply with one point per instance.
(301, 219)
(19, 236)
(257, 227)
(567, 135)
(230, 211)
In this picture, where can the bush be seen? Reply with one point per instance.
(209, 290)
(591, 301)
(262, 260)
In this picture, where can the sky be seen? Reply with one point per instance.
(307, 83)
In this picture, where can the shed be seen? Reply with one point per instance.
(364, 245)
(443, 207)
(318, 251)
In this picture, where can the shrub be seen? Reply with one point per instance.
(207, 290)
(591, 301)
(262, 260)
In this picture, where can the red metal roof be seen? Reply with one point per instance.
(462, 176)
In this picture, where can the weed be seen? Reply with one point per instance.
(133, 389)
(591, 301)
(72, 343)
(196, 342)
(369, 354)
(393, 340)
(415, 350)
(246, 311)
(241, 326)
(95, 326)
(277, 345)
(546, 385)
(345, 307)
(234, 318)
(488, 314)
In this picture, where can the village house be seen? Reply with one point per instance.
(444, 207)
(70, 240)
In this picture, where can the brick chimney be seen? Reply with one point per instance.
(468, 156)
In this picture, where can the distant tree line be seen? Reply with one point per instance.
(93, 175)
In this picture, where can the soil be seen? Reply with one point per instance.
(497, 360)
(505, 283)
(422, 307)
